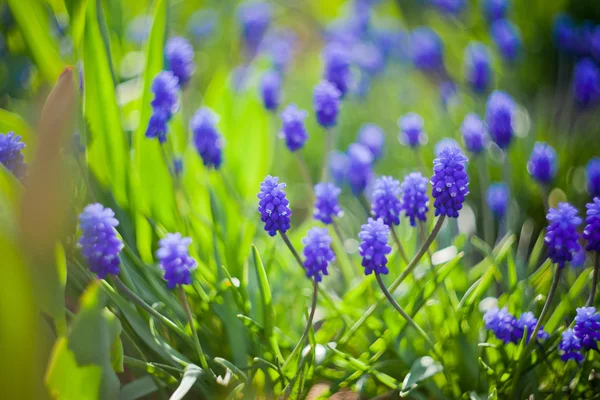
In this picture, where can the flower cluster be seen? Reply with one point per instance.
(415, 202)
(474, 133)
(561, 234)
(591, 232)
(478, 71)
(337, 67)
(175, 260)
(570, 345)
(586, 82)
(426, 49)
(180, 57)
(386, 204)
(317, 252)
(326, 203)
(207, 139)
(411, 126)
(499, 117)
(592, 176)
(255, 18)
(372, 137)
(273, 206)
(164, 104)
(495, 9)
(542, 163)
(11, 155)
(360, 170)
(326, 99)
(450, 182)
(270, 90)
(293, 130)
(374, 246)
(587, 327)
(509, 329)
(497, 197)
(507, 37)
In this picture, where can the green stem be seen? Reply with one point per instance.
(545, 200)
(304, 171)
(347, 270)
(328, 148)
(286, 239)
(190, 317)
(399, 245)
(365, 203)
(429, 256)
(488, 221)
(594, 279)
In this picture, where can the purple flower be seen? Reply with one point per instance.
(587, 327)
(273, 206)
(180, 58)
(570, 345)
(372, 137)
(270, 90)
(426, 49)
(368, 58)
(499, 116)
(591, 232)
(279, 45)
(255, 17)
(207, 138)
(175, 260)
(586, 82)
(164, 104)
(11, 155)
(359, 167)
(202, 24)
(99, 242)
(565, 34)
(498, 197)
(475, 135)
(337, 66)
(411, 127)
(447, 92)
(592, 176)
(386, 204)
(495, 9)
(542, 163)
(293, 129)
(339, 163)
(326, 203)
(561, 234)
(478, 71)
(373, 246)
(317, 252)
(507, 37)
(501, 322)
(444, 143)
(393, 43)
(527, 320)
(415, 202)
(579, 259)
(452, 7)
(450, 182)
(326, 99)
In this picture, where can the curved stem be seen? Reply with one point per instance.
(429, 256)
(544, 192)
(190, 317)
(488, 221)
(594, 279)
(311, 316)
(286, 239)
(304, 171)
(345, 272)
(400, 248)
(365, 203)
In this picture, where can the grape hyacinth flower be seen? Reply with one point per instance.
(326, 99)
(326, 202)
(452, 7)
(292, 128)
(415, 202)
(450, 182)
(411, 127)
(175, 260)
(337, 67)
(444, 143)
(164, 105)
(495, 9)
(338, 163)
(474, 133)
(592, 176)
(591, 232)
(270, 90)
(368, 58)
(507, 37)
(207, 138)
(586, 82)
(499, 114)
(317, 252)
(478, 71)
(565, 34)
(527, 320)
(561, 234)
(570, 345)
(500, 322)
(202, 24)
(11, 155)
(359, 167)
(542, 163)
(99, 242)
(498, 197)
(448, 92)
(372, 137)
(386, 205)
(180, 58)
(255, 18)
(579, 259)
(426, 49)
(374, 246)
(279, 45)
(587, 327)
(273, 206)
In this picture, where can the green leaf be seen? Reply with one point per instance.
(567, 304)
(423, 368)
(238, 373)
(76, 11)
(234, 393)
(10, 122)
(191, 374)
(139, 388)
(33, 23)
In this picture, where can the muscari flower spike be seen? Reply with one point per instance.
(586, 82)
(499, 114)
(175, 260)
(444, 143)
(415, 201)
(326, 203)
(338, 163)
(507, 37)
(478, 71)
(99, 242)
(592, 177)
(542, 163)
(495, 9)
(587, 327)
(293, 130)
(374, 246)
(11, 155)
(317, 252)
(561, 234)
(337, 66)
(411, 127)
(180, 58)
(475, 135)
(360, 172)
(527, 321)
(448, 92)
(255, 18)
(279, 44)
(372, 137)
(565, 34)
(270, 90)
(207, 138)
(386, 204)
(450, 182)
(500, 322)
(164, 105)
(591, 232)
(326, 100)
(498, 197)
(273, 206)
(426, 49)
(570, 345)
